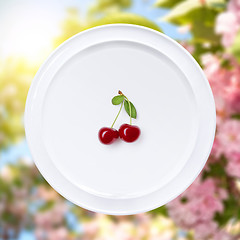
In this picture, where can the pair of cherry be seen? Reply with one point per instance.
(126, 132)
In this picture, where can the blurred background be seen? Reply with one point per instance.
(30, 209)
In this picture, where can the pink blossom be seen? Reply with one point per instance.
(217, 151)
(233, 166)
(47, 194)
(188, 47)
(205, 230)
(233, 91)
(184, 29)
(234, 6)
(228, 23)
(222, 193)
(52, 216)
(197, 206)
(60, 233)
(90, 228)
(228, 136)
(58, 212)
(39, 233)
(228, 26)
(18, 207)
(222, 235)
(43, 219)
(219, 79)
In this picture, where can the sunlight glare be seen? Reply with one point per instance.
(30, 30)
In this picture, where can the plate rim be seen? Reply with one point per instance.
(33, 88)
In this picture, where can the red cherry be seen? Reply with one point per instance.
(129, 133)
(107, 135)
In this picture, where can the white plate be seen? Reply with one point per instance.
(70, 100)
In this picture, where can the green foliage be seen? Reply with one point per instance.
(200, 49)
(38, 179)
(133, 109)
(9, 218)
(226, 63)
(73, 25)
(17, 182)
(231, 210)
(236, 116)
(160, 211)
(203, 26)
(110, 11)
(105, 6)
(184, 200)
(82, 214)
(46, 206)
(5, 190)
(216, 169)
(200, 16)
(15, 79)
(235, 48)
(128, 18)
(220, 5)
(70, 26)
(167, 3)
(231, 204)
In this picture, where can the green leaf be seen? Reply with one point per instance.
(133, 109)
(231, 211)
(226, 63)
(129, 18)
(17, 182)
(48, 205)
(201, 18)
(235, 48)
(216, 170)
(5, 190)
(219, 5)
(160, 211)
(117, 100)
(167, 3)
(181, 13)
(9, 218)
(102, 6)
(236, 116)
(200, 49)
(184, 200)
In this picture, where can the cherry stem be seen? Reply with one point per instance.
(117, 115)
(129, 104)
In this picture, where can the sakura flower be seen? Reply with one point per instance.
(60, 233)
(228, 23)
(197, 206)
(205, 230)
(228, 26)
(229, 136)
(222, 235)
(233, 166)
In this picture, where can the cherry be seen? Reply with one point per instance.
(129, 133)
(107, 135)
